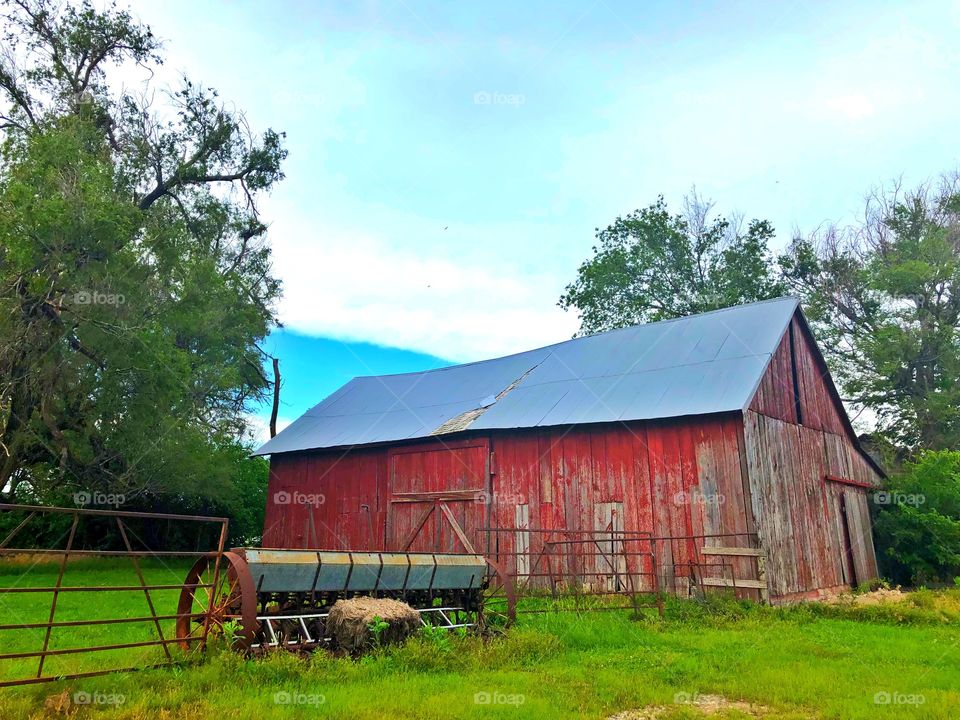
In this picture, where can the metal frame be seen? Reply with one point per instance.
(560, 551)
(629, 561)
(142, 586)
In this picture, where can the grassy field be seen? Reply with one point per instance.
(886, 661)
(35, 607)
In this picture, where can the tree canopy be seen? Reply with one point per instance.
(653, 265)
(135, 280)
(882, 294)
(884, 297)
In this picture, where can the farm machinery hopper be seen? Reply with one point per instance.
(280, 598)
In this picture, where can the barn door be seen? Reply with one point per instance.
(608, 551)
(850, 575)
(857, 515)
(439, 498)
(851, 522)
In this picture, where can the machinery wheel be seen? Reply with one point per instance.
(204, 609)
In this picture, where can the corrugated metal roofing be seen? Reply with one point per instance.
(695, 365)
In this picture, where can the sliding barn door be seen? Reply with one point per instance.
(439, 497)
(850, 520)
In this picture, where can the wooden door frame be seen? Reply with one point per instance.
(440, 498)
(846, 538)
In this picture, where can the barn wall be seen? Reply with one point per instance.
(318, 500)
(796, 438)
(776, 396)
(668, 478)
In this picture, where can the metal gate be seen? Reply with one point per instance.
(17, 604)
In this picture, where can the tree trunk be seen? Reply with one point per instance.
(276, 398)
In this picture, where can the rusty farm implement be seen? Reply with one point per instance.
(281, 598)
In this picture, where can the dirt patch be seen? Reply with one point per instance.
(705, 704)
(58, 704)
(882, 596)
(357, 624)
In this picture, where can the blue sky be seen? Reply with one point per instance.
(450, 161)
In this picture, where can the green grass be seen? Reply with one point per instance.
(35, 607)
(810, 661)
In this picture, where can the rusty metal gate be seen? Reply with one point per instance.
(610, 568)
(135, 550)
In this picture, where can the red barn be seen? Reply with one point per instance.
(716, 431)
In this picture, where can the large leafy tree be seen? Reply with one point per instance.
(918, 521)
(135, 278)
(654, 265)
(884, 295)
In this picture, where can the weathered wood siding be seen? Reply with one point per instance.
(454, 473)
(795, 438)
(669, 478)
(673, 479)
(334, 500)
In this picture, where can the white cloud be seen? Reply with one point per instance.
(258, 428)
(350, 287)
(852, 107)
(789, 125)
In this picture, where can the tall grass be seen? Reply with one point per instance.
(807, 661)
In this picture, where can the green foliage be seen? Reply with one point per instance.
(377, 626)
(918, 525)
(231, 631)
(652, 265)
(438, 637)
(135, 281)
(884, 297)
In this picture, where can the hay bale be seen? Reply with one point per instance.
(350, 620)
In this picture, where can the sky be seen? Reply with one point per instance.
(450, 162)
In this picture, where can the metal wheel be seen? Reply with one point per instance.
(233, 598)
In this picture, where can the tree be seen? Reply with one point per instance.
(651, 265)
(135, 280)
(884, 298)
(918, 521)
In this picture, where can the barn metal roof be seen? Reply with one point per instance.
(696, 365)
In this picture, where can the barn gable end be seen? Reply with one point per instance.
(809, 478)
